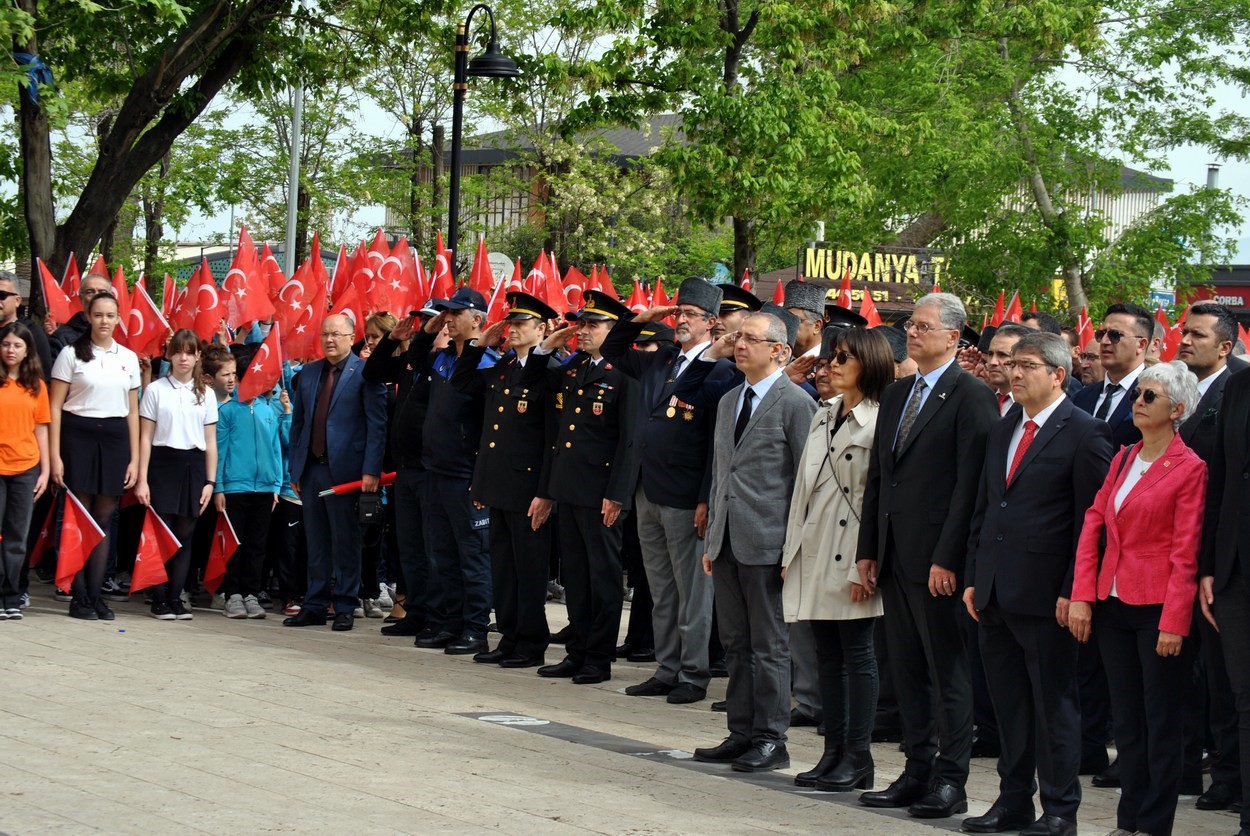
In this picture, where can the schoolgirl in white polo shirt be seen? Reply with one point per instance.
(95, 436)
(177, 451)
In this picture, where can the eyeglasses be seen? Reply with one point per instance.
(334, 335)
(1113, 335)
(840, 357)
(1088, 357)
(755, 340)
(1149, 396)
(682, 313)
(1025, 365)
(923, 328)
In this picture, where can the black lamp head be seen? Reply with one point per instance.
(493, 64)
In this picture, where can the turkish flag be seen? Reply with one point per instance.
(517, 282)
(209, 306)
(225, 543)
(575, 282)
(290, 302)
(265, 370)
(122, 292)
(844, 292)
(246, 288)
(997, 318)
(182, 309)
(157, 544)
(342, 273)
(481, 277)
(444, 283)
(349, 303)
(607, 285)
(168, 294)
(44, 542)
(145, 328)
(70, 282)
(79, 535)
(745, 284)
(637, 300)
(413, 273)
(272, 271)
(59, 306)
(659, 299)
(1015, 311)
(497, 309)
(868, 310)
(779, 294)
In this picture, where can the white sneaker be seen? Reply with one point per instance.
(385, 599)
(371, 608)
(234, 607)
(253, 607)
(359, 612)
(219, 602)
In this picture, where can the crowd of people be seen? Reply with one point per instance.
(997, 544)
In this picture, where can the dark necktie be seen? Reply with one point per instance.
(1030, 428)
(744, 415)
(677, 365)
(321, 413)
(1002, 399)
(1105, 407)
(910, 413)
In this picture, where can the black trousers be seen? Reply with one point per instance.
(640, 634)
(518, 558)
(1221, 706)
(929, 667)
(288, 550)
(590, 566)
(1030, 668)
(1232, 613)
(846, 665)
(249, 514)
(1146, 691)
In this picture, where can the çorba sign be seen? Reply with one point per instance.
(1232, 296)
(899, 273)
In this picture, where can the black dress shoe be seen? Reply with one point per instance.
(642, 654)
(902, 793)
(727, 751)
(342, 622)
(651, 688)
(563, 635)
(718, 669)
(560, 670)
(999, 819)
(437, 641)
(591, 674)
(403, 627)
(466, 645)
(1050, 826)
(490, 657)
(826, 764)
(720, 705)
(943, 801)
(855, 771)
(519, 661)
(686, 693)
(764, 756)
(305, 618)
(1109, 777)
(1220, 797)
(623, 650)
(798, 718)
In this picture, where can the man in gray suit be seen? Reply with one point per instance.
(761, 427)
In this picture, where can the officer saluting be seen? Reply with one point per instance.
(591, 477)
(509, 478)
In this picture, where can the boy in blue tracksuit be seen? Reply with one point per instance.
(249, 477)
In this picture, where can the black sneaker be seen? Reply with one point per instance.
(83, 610)
(63, 596)
(113, 591)
(265, 600)
(180, 611)
(162, 612)
(102, 610)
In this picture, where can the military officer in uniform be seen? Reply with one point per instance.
(591, 467)
(509, 479)
(735, 304)
(672, 478)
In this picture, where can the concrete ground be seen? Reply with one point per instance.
(224, 726)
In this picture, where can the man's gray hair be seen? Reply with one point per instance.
(950, 309)
(1178, 382)
(1052, 348)
(776, 331)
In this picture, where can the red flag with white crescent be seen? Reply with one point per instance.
(225, 544)
(265, 370)
(157, 544)
(79, 536)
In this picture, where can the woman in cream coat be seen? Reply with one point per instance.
(821, 585)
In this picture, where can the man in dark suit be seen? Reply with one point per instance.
(509, 479)
(1122, 343)
(922, 486)
(591, 466)
(338, 435)
(672, 469)
(1044, 463)
(761, 429)
(1224, 563)
(1207, 341)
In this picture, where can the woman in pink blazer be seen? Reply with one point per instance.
(1149, 514)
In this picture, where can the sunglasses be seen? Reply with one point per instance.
(1149, 396)
(1113, 335)
(839, 357)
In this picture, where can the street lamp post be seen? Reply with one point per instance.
(490, 64)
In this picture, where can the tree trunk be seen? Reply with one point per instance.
(303, 202)
(36, 186)
(436, 179)
(745, 248)
(153, 216)
(416, 223)
(921, 231)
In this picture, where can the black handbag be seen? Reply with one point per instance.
(369, 508)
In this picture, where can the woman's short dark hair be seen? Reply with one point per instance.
(30, 370)
(82, 345)
(876, 359)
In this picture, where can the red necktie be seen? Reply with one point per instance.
(321, 413)
(1025, 440)
(1002, 399)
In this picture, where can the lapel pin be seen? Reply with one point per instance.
(942, 395)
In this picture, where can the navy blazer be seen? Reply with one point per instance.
(1023, 537)
(1124, 432)
(355, 425)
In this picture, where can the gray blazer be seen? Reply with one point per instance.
(752, 481)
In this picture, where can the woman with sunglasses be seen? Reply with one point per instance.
(1134, 587)
(821, 585)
